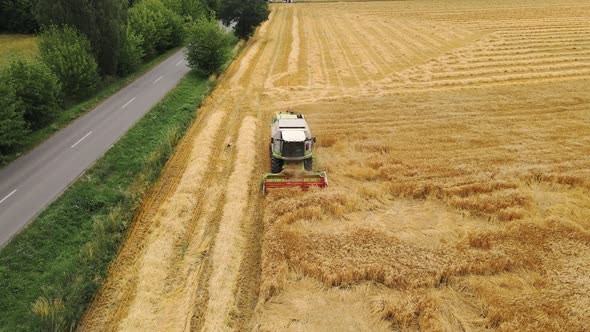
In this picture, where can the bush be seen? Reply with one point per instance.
(247, 13)
(160, 28)
(37, 90)
(68, 54)
(208, 47)
(131, 54)
(12, 123)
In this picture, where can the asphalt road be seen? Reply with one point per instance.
(33, 181)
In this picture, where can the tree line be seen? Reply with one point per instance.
(84, 43)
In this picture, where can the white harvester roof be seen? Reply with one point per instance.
(293, 135)
(292, 124)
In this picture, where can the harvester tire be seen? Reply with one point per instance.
(276, 165)
(308, 164)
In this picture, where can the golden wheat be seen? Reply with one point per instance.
(455, 135)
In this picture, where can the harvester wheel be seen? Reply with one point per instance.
(276, 165)
(308, 164)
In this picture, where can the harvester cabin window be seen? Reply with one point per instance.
(293, 149)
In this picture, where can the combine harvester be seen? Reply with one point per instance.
(291, 154)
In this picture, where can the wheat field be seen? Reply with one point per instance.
(456, 136)
(17, 47)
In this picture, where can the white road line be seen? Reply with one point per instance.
(179, 62)
(129, 102)
(159, 78)
(80, 140)
(5, 198)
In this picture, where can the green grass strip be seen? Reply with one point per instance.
(51, 270)
(72, 113)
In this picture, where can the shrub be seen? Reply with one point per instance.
(37, 90)
(160, 28)
(131, 54)
(68, 54)
(12, 123)
(208, 47)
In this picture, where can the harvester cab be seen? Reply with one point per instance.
(291, 154)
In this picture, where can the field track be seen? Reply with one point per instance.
(457, 140)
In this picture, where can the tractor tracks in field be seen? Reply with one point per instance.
(192, 259)
(112, 301)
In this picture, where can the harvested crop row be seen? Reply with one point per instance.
(445, 141)
(456, 143)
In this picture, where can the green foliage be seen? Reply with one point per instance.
(37, 89)
(102, 21)
(50, 313)
(12, 123)
(192, 9)
(50, 271)
(197, 9)
(176, 36)
(17, 16)
(111, 22)
(160, 27)
(68, 115)
(67, 53)
(214, 5)
(174, 5)
(131, 54)
(247, 14)
(208, 47)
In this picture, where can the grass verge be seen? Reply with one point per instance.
(51, 270)
(72, 113)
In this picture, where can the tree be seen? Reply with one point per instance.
(191, 9)
(12, 123)
(111, 19)
(196, 9)
(131, 54)
(102, 21)
(17, 16)
(214, 5)
(67, 53)
(208, 47)
(37, 91)
(160, 28)
(247, 14)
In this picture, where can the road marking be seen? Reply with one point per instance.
(5, 198)
(159, 78)
(129, 102)
(179, 62)
(81, 139)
